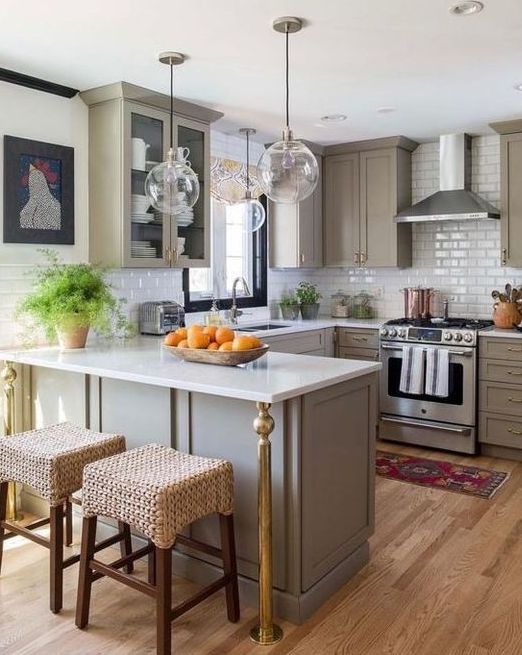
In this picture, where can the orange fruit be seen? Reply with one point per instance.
(224, 334)
(182, 332)
(172, 339)
(193, 329)
(243, 342)
(256, 342)
(213, 345)
(197, 339)
(183, 344)
(227, 346)
(211, 331)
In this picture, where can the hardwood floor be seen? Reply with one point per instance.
(445, 578)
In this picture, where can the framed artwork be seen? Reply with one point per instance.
(38, 192)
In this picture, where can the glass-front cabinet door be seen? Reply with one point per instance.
(146, 231)
(192, 246)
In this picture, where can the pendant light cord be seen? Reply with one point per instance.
(248, 161)
(171, 104)
(286, 80)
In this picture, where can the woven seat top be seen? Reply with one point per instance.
(158, 490)
(51, 459)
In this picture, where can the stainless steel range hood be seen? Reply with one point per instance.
(455, 201)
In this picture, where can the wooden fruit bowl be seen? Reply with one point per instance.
(221, 358)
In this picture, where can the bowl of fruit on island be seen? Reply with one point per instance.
(213, 344)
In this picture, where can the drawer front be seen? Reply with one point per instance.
(500, 430)
(501, 349)
(367, 354)
(297, 343)
(350, 338)
(500, 398)
(496, 370)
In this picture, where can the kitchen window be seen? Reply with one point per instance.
(234, 253)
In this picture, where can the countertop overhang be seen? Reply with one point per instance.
(273, 378)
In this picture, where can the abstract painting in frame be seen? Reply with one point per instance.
(38, 192)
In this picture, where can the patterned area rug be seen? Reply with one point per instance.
(439, 474)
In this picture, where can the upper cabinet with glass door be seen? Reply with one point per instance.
(128, 135)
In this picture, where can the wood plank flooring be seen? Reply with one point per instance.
(445, 578)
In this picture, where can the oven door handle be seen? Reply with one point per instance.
(420, 424)
(460, 353)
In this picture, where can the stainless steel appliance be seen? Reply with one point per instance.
(161, 316)
(450, 422)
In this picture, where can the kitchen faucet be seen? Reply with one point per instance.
(234, 312)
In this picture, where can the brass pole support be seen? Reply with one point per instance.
(266, 633)
(8, 377)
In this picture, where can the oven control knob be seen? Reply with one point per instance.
(448, 336)
(393, 332)
(384, 332)
(402, 332)
(468, 337)
(458, 337)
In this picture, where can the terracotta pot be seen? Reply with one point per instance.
(72, 335)
(506, 315)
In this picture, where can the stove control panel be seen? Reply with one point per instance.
(428, 335)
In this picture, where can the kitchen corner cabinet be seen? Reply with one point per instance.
(296, 230)
(119, 236)
(365, 185)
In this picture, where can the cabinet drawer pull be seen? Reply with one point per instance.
(514, 400)
(515, 350)
(513, 431)
(514, 373)
(359, 339)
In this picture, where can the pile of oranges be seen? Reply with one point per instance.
(211, 337)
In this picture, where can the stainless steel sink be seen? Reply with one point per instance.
(264, 326)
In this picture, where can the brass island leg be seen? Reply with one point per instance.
(8, 376)
(266, 633)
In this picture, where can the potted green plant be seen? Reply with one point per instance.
(69, 299)
(308, 296)
(289, 306)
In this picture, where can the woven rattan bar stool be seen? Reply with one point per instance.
(51, 460)
(159, 491)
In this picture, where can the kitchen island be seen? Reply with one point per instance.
(324, 412)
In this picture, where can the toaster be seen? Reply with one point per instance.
(161, 316)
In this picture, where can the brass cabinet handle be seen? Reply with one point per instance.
(513, 431)
(515, 350)
(359, 339)
(167, 255)
(514, 400)
(357, 258)
(514, 373)
(363, 259)
(504, 256)
(301, 258)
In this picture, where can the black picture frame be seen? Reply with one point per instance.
(38, 209)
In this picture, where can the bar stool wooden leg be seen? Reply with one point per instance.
(126, 544)
(68, 523)
(56, 559)
(228, 549)
(4, 486)
(83, 601)
(163, 600)
(151, 560)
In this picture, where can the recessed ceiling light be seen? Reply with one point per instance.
(334, 118)
(385, 110)
(466, 8)
(518, 87)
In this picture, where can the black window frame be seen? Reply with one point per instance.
(259, 296)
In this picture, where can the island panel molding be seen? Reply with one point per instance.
(38, 192)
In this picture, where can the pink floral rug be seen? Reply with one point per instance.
(440, 474)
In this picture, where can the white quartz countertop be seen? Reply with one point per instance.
(273, 378)
(497, 332)
(292, 327)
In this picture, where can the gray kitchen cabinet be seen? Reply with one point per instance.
(315, 342)
(119, 113)
(296, 231)
(366, 184)
(358, 343)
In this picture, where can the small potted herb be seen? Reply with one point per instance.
(308, 296)
(289, 306)
(69, 299)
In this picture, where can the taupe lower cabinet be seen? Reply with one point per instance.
(365, 185)
(124, 231)
(296, 231)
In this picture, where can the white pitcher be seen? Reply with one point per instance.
(139, 153)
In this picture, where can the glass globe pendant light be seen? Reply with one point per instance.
(251, 209)
(287, 171)
(172, 186)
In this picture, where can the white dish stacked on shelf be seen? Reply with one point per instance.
(139, 206)
(143, 249)
(185, 215)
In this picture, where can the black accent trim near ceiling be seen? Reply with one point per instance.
(36, 83)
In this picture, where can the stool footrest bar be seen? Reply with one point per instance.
(198, 545)
(125, 578)
(200, 596)
(26, 532)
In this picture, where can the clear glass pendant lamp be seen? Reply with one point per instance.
(252, 210)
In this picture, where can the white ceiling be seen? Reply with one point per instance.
(442, 73)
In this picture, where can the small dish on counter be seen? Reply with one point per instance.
(217, 357)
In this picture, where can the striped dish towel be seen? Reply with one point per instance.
(437, 372)
(412, 371)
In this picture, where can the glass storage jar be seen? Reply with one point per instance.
(362, 307)
(341, 305)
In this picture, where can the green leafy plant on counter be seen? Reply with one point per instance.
(289, 305)
(307, 293)
(288, 300)
(72, 295)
